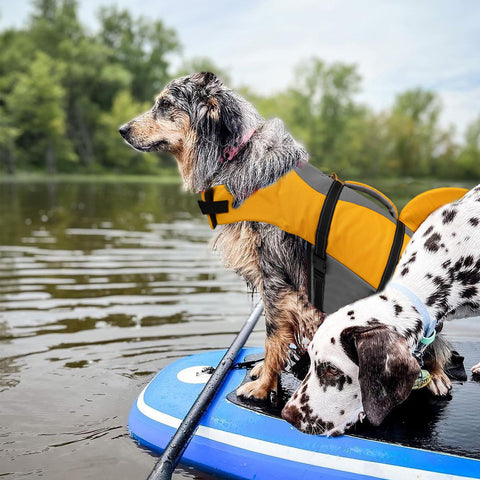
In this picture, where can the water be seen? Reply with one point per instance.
(102, 285)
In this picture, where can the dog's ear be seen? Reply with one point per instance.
(223, 109)
(232, 121)
(387, 369)
(217, 103)
(221, 120)
(205, 79)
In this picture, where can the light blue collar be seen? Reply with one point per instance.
(429, 323)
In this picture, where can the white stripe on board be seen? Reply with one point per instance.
(325, 460)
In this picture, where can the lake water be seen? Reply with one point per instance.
(102, 285)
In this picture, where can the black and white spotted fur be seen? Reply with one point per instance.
(361, 356)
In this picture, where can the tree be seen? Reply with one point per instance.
(413, 130)
(116, 155)
(322, 100)
(8, 136)
(16, 53)
(65, 90)
(36, 105)
(56, 31)
(362, 149)
(91, 81)
(141, 46)
(52, 22)
(468, 163)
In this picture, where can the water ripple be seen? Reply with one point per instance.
(100, 287)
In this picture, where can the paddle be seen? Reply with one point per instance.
(173, 452)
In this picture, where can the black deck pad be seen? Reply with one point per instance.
(444, 424)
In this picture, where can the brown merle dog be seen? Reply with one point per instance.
(362, 360)
(217, 137)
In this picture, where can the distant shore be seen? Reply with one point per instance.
(168, 176)
(399, 189)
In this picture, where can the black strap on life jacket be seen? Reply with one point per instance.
(211, 208)
(394, 256)
(317, 254)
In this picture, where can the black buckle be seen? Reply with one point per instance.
(211, 208)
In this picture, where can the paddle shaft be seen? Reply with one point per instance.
(173, 452)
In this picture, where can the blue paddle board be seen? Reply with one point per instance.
(425, 439)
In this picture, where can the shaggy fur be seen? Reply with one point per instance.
(200, 120)
(361, 356)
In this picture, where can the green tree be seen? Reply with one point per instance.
(36, 105)
(56, 31)
(415, 138)
(141, 46)
(320, 111)
(17, 50)
(362, 149)
(322, 101)
(52, 22)
(115, 154)
(8, 137)
(64, 90)
(91, 82)
(468, 163)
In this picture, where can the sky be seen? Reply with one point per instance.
(396, 44)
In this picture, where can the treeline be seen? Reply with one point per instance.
(64, 90)
(347, 137)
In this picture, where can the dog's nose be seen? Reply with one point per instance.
(124, 130)
(291, 415)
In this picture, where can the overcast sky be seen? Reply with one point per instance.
(397, 44)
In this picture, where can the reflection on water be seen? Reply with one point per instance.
(101, 285)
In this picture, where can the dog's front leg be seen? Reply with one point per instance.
(277, 344)
(436, 357)
(287, 319)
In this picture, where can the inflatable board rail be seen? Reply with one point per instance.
(426, 438)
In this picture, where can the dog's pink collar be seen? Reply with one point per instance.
(230, 152)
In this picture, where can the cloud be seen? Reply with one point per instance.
(396, 45)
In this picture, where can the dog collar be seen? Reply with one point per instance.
(429, 323)
(230, 152)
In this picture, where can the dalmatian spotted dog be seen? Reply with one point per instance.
(362, 356)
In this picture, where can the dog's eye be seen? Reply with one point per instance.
(164, 103)
(331, 370)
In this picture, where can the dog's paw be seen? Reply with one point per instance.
(476, 369)
(256, 389)
(440, 384)
(257, 370)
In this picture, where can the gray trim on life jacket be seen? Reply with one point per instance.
(344, 286)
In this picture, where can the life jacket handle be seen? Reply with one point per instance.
(376, 194)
